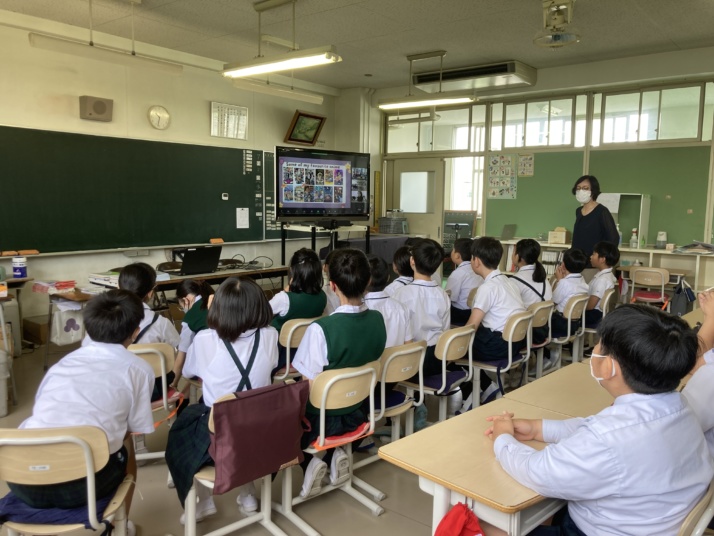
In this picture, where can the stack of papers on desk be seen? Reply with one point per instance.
(105, 279)
(91, 289)
(54, 287)
(162, 276)
(696, 248)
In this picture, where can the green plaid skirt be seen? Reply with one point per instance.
(187, 447)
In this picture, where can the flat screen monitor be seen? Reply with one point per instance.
(315, 185)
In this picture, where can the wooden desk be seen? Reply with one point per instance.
(455, 462)
(571, 391)
(219, 276)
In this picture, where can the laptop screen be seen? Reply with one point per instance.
(199, 259)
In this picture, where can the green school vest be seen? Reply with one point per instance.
(196, 318)
(302, 305)
(353, 340)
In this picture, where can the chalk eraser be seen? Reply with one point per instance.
(28, 252)
(216, 241)
(8, 253)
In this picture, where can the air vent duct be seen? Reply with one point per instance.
(505, 74)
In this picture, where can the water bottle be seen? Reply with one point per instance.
(619, 233)
(634, 243)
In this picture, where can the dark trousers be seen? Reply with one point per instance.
(562, 525)
(158, 392)
(592, 318)
(282, 358)
(459, 317)
(73, 494)
(559, 325)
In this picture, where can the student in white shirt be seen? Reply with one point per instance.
(532, 280)
(395, 314)
(638, 467)
(569, 282)
(238, 330)
(461, 281)
(496, 300)
(101, 384)
(427, 302)
(605, 257)
(193, 299)
(402, 267)
(699, 390)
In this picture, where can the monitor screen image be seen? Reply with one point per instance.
(313, 184)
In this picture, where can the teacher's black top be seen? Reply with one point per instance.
(593, 228)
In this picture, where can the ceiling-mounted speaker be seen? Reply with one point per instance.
(95, 108)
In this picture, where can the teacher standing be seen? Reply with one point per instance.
(593, 221)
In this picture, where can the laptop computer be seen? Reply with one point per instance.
(199, 259)
(508, 232)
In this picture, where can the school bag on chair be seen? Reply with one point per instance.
(257, 433)
(682, 299)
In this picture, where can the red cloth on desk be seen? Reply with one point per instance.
(460, 521)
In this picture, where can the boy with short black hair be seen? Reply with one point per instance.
(640, 465)
(496, 300)
(605, 257)
(461, 281)
(402, 267)
(396, 316)
(569, 283)
(428, 303)
(352, 336)
(101, 384)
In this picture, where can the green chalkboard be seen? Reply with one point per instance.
(676, 178)
(73, 192)
(543, 201)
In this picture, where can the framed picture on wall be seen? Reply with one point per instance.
(305, 128)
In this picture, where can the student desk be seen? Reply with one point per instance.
(219, 276)
(455, 462)
(571, 391)
(5, 362)
(17, 284)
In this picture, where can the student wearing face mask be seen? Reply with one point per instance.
(640, 465)
(593, 221)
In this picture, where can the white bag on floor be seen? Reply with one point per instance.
(67, 327)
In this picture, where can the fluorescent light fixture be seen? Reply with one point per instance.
(433, 116)
(423, 101)
(279, 91)
(93, 52)
(294, 59)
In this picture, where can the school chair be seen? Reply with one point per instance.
(206, 476)
(64, 454)
(696, 522)
(335, 389)
(650, 278)
(471, 298)
(542, 313)
(291, 335)
(397, 364)
(8, 358)
(518, 327)
(608, 301)
(160, 356)
(451, 347)
(574, 310)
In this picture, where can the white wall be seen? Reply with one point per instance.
(40, 90)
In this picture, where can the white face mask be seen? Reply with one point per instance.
(592, 373)
(583, 196)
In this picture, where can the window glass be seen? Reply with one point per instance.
(497, 126)
(515, 119)
(426, 132)
(581, 102)
(649, 116)
(466, 183)
(621, 118)
(537, 123)
(708, 122)
(561, 122)
(679, 113)
(597, 120)
(478, 120)
(403, 138)
(445, 128)
(416, 191)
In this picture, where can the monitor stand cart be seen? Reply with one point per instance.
(331, 226)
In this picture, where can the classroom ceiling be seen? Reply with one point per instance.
(375, 36)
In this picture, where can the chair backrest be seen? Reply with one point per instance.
(471, 298)
(609, 299)
(160, 356)
(575, 306)
(342, 388)
(454, 343)
(211, 427)
(646, 276)
(542, 312)
(399, 363)
(293, 331)
(692, 521)
(45, 456)
(517, 326)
